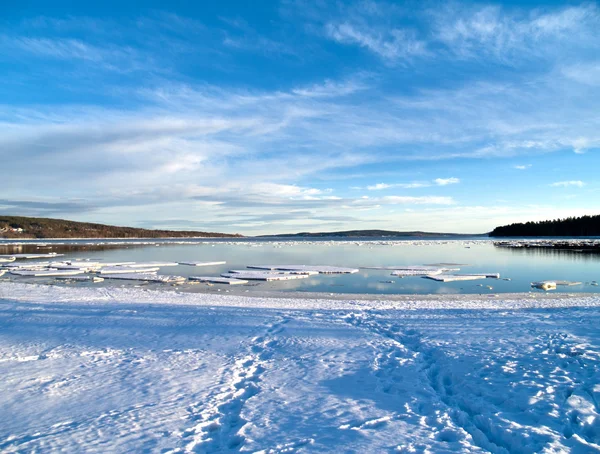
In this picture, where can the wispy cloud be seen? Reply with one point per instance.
(585, 73)
(508, 34)
(241, 36)
(390, 45)
(47, 207)
(466, 31)
(522, 167)
(119, 59)
(414, 185)
(426, 200)
(565, 184)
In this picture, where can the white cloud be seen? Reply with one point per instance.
(565, 184)
(282, 190)
(380, 186)
(581, 144)
(389, 44)
(522, 167)
(446, 181)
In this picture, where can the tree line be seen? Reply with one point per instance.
(572, 226)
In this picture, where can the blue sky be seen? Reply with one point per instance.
(285, 116)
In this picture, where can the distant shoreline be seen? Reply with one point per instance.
(373, 234)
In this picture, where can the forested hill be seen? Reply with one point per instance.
(24, 227)
(583, 226)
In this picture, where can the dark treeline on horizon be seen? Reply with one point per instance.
(25, 227)
(573, 226)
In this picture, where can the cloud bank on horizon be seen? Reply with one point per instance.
(290, 115)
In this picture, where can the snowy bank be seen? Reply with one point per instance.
(286, 300)
(133, 370)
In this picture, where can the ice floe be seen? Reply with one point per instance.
(32, 256)
(125, 269)
(218, 280)
(462, 277)
(263, 275)
(26, 265)
(551, 285)
(149, 264)
(45, 272)
(406, 273)
(202, 263)
(544, 285)
(147, 277)
(321, 269)
(80, 278)
(85, 266)
(455, 277)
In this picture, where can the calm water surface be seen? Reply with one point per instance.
(521, 266)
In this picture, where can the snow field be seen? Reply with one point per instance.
(110, 370)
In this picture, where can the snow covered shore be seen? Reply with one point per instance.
(131, 370)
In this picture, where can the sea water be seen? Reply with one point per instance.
(520, 267)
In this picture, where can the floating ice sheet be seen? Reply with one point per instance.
(79, 263)
(147, 277)
(567, 283)
(32, 256)
(85, 266)
(428, 272)
(263, 276)
(218, 280)
(415, 268)
(276, 271)
(551, 285)
(81, 278)
(321, 269)
(124, 269)
(455, 277)
(202, 263)
(104, 264)
(43, 273)
(26, 265)
(445, 264)
(424, 268)
(544, 285)
(149, 264)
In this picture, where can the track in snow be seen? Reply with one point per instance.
(221, 420)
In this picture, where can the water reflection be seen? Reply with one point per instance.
(523, 266)
(577, 254)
